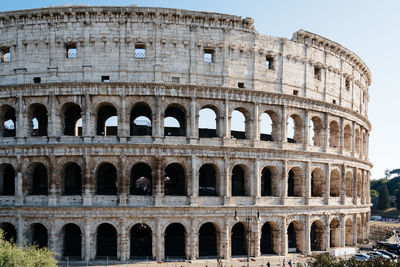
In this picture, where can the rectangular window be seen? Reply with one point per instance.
(347, 84)
(140, 51)
(295, 92)
(175, 79)
(241, 85)
(5, 54)
(37, 80)
(208, 56)
(334, 101)
(105, 79)
(71, 50)
(317, 73)
(269, 63)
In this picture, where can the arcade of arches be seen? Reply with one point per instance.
(174, 239)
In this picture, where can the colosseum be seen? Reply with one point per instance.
(158, 134)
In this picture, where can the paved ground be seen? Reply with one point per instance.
(274, 261)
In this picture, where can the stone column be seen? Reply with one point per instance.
(327, 237)
(87, 238)
(194, 132)
(20, 230)
(51, 125)
(123, 182)
(327, 183)
(123, 126)
(227, 181)
(343, 185)
(20, 130)
(19, 195)
(158, 243)
(256, 185)
(283, 138)
(308, 183)
(306, 130)
(354, 228)
(227, 120)
(284, 237)
(123, 243)
(255, 125)
(256, 241)
(52, 236)
(195, 182)
(284, 182)
(342, 231)
(355, 170)
(53, 175)
(353, 138)
(226, 237)
(307, 241)
(341, 135)
(89, 187)
(326, 131)
(86, 121)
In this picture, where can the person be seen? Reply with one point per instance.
(290, 263)
(283, 263)
(268, 264)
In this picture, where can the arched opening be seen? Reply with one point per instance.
(316, 236)
(175, 121)
(37, 235)
(333, 134)
(141, 241)
(317, 131)
(106, 180)
(347, 137)
(295, 237)
(174, 241)
(174, 181)
(9, 232)
(107, 120)
(207, 180)
(38, 119)
(7, 180)
(269, 124)
(207, 123)
(349, 184)
(72, 179)
(335, 183)
(208, 240)
(334, 233)
(349, 232)
(72, 113)
(141, 180)
(141, 123)
(38, 183)
(238, 240)
(359, 185)
(239, 124)
(358, 140)
(269, 243)
(238, 181)
(317, 183)
(295, 129)
(106, 238)
(266, 182)
(9, 121)
(72, 240)
(295, 182)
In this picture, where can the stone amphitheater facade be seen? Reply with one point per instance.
(72, 180)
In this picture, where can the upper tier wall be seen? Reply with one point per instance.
(175, 42)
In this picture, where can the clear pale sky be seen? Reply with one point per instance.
(368, 28)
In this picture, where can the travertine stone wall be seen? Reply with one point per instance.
(309, 79)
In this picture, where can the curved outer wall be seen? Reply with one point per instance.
(309, 79)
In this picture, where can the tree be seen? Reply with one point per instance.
(395, 171)
(387, 173)
(398, 199)
(27, 256)
(384, 200)
(374, 193)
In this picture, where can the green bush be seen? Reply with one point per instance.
(27, 256)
